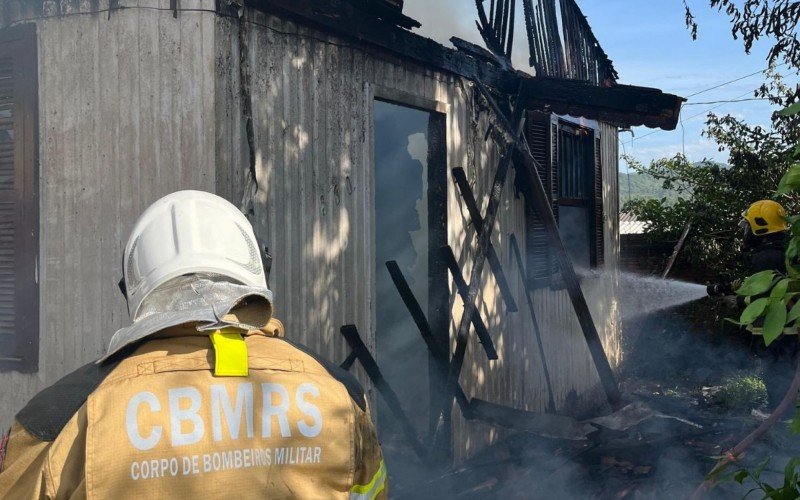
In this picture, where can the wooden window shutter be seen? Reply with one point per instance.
(19, 203)
(541, 132)
(598, 254)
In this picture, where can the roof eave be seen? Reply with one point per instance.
(623, 105)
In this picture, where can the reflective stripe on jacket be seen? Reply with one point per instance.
(160, 424)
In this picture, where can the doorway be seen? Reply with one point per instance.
(410, 228)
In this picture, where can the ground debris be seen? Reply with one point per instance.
(632, 415)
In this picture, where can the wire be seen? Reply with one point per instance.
(732, 81)
(704, 112)
(737, 99)
(725, 102)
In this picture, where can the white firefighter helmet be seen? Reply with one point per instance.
(189, 232)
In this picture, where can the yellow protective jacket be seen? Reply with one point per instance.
(159, 424)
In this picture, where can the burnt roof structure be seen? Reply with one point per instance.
(568, 88)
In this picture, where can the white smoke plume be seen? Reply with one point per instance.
(443, 19)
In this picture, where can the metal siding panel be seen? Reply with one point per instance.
(95, 99)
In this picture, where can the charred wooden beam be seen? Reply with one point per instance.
(551, 401)
(676, 250)
(350, 334)
(425, 330)
(484, 237)
(463, 290)
(541, 424)
(349, 361)
(537, 203)
(391, 11)
(477, 222)
(618, 104)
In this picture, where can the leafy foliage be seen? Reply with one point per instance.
(712, 196)
(790, 489)
(779, 310)
(754, 19)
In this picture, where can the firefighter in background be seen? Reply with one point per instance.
(202, 396)
(766, 234)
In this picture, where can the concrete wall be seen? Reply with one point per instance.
(126, 115)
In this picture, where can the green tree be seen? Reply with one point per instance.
(712, 196)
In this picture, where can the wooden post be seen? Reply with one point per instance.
(350, 333)
(477, 222)
(463, 290)
(425, 330)
(551, 401)
(677, 250)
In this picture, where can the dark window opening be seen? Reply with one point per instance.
(569, 161)
(410, 227)
(19, 205)
(576, 192)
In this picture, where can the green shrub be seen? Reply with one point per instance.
(742, 392)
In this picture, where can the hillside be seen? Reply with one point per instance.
(642, 186)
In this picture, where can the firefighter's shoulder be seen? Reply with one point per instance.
(347, 379)
(46, 414)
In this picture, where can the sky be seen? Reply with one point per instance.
(650, 46)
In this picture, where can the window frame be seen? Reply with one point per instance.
(25, 354)
(541, 263)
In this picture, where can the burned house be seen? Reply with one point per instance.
(351, 142)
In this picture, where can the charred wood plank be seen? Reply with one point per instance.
(477, 222)
(350, 334)
(425, 330)
(537, 203)
(484, 237)
(676, 250)
(463, 290)
(345, 20)
(541, 424)
(551, 402)
(349, 360)
(620, 104)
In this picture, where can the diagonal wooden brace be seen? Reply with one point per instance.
(484, 237)
(551, 401)
(463, 290)
(537, 202)
(425, 330)
(477, 222)
(350, 333)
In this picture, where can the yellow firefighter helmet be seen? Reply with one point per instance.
(766, 217)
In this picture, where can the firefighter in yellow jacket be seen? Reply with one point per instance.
(202, 396)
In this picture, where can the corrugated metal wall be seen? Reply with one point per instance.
(139, 104)
(126, 115)
(312, 118)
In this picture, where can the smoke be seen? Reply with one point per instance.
(443, 19)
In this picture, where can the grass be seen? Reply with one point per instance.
(742, 392)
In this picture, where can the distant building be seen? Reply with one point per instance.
(629, 224)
